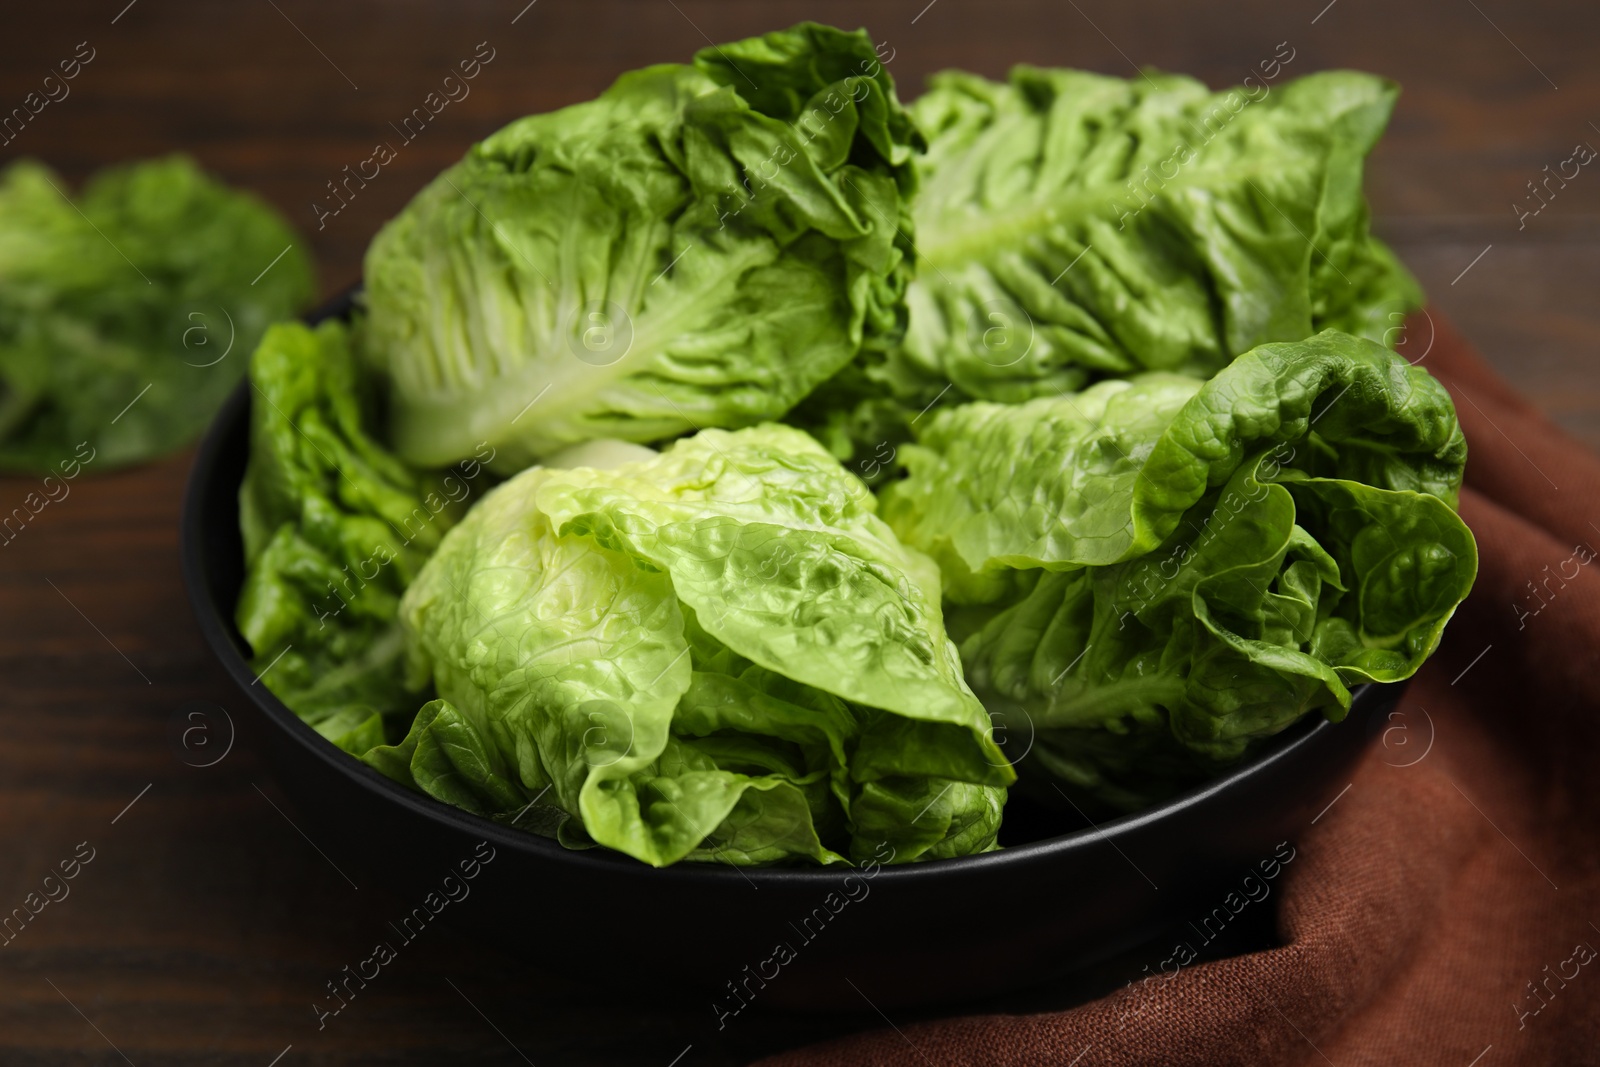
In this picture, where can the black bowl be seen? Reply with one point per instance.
(915, 934)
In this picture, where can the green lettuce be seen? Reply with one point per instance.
(335, 528)
(128, 314)
(718, 653)
(1072, 227)
(1152, 575)
(699, 246)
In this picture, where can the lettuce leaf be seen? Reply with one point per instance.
(720, 653)
(128, 314)
(1107, 474)
(699, 246)
(1155, 574)
(1072, 227)
(1048, 483)
(335, 527)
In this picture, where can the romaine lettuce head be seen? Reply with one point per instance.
(720, 653)
(699, 246)
(127, 316)
(1072, 227)
(1153, 574)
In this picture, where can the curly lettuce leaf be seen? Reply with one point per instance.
(1106, 475)
(127, 315)
(335, 527)
(1287, 533)
(1140, 678)
(578, 694)
(719, 653)
(1047, 483)
(1072, 226)
(1412, 561)
(699, 246)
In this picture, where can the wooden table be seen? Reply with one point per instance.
(206, 923)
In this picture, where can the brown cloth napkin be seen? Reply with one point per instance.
(1446, 910)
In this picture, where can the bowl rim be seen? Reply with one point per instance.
(226, 644)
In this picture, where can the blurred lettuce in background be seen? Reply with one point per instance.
(127, 316)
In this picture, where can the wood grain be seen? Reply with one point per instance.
(206, 923)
